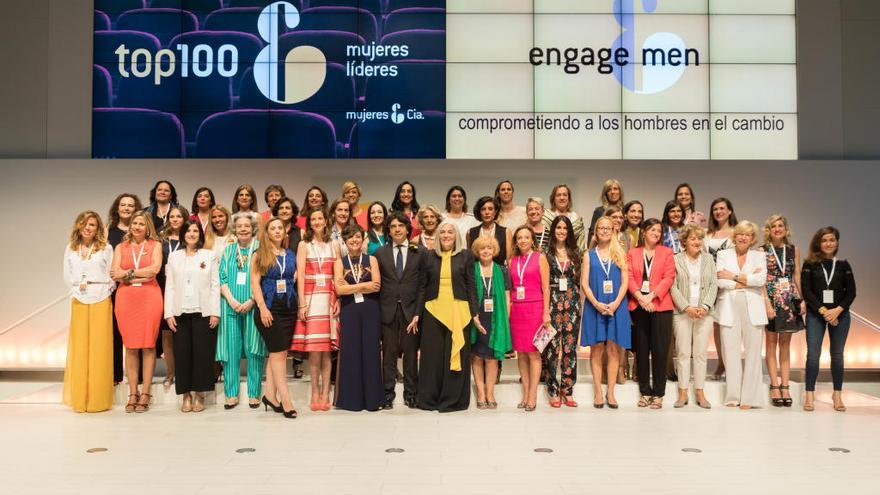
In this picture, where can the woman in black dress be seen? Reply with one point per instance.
(451, 307)
(359, 373)
(118, 220)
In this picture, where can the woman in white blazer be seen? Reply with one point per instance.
(741, 313)
(192, 310)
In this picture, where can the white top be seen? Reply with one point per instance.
(693, 268)
(336, 236)
(755, 270)
(220, 243)
(192, 284)
(92, 274)
(513, 219)
(394, 251)
(463, 223)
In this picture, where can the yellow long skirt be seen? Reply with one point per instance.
(88, 376)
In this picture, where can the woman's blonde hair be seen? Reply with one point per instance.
(483, 241)
(420, 216)
(165, 233)
(80, 223)
(618, 255)
(603, 198)
(265, 258)
(689, 230)
(349, 185)
(746, 227)
(786, 238)
(150, 233)
(456, 248)
(211, 234)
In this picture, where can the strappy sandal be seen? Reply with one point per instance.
(521, 405)
(530, 407)
(142, 407)
(786, 401)
(132, 404)
(656, 403)
(568, 401)
(492, 404)
(777, 401)
(644, 401)
(555, 402)
(482, 405)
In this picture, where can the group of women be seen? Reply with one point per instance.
(204, 288)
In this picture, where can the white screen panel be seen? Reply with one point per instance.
(488, 37)
(489, 6)
(752, 7)
(736, 143)
(753, 88)
(586, 91)
(476, 141)
(770, 39)
(489, 88)
(653, 137)
(579, 143)
(689, 93)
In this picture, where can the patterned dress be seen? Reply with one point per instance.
(565, 316)
(781, 290)
(318, 332)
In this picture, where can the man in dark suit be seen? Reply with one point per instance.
(402, 299)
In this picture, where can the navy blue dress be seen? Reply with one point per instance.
(359, 373)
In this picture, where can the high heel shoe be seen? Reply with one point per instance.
(289, 414)
(615, 405)
(267, 403)
(786, 401)
(253, 405)
(230, 405)
(777, 401)
(838, 402)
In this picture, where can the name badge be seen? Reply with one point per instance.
(281, 286)
(607, 287)
(563, 284)
(358, 298)
(320, 281)
(240, 278)
(83, 287)
(782, 284)
(488, 305)
(189, 290)
(827, 297)
(521, 292)
(136, 284)
(646, 287)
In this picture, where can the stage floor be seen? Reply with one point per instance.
(630, 450)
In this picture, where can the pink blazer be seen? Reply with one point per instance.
(662, 276)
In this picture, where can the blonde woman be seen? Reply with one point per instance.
(352, 193)
(742, 274)
(785, 305)
(605, 325)
(535, 221)
(218, 235)
(88, 376)
(612, 195)
(429, 218)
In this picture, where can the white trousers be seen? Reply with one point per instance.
(745, 381)
(691, 340)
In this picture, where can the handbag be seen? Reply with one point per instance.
(543, 337)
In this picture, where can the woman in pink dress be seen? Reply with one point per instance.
(136, 261)
(316, 329)
(529, 310)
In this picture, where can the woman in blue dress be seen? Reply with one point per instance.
(359, 376)
(605, 325)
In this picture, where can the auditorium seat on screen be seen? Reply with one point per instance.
(135, 133)
(423, 43)
(102, 87)
(240, 19)
(420, 84)
(102, 21)
(410, 139)
(416, 18)
(266, 134)
(331, 43)
(393, 5)
(163, 23)
(106, 43)
(348, 19)
(374, 6)
(261, 3)
(333, 100)
(115, 7)
(201, 8)
(248, 47)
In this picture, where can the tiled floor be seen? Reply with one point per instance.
(630, 450)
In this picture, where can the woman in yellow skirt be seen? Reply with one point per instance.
(88, 376)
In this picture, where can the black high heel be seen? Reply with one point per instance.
(289, 414)
(268, 404)
(253, 406)
(786, 401)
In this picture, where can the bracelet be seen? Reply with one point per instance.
(823, 310)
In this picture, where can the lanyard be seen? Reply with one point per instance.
(648, 265)
(164, 217)
(203, 223)
(488, 288)
(317, 256)
(173, 247)
(283, 264)
(827, 277)
(521, 268)
(136, 260)
(782, 264)
(356, 273)
(541, 240)
(243, 260)
(380, 238)
(605, 267)
(562, 267)
(676, 244)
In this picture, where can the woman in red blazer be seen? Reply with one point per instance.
(652, 272)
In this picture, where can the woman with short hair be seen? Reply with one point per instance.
(487, 210)
(88, 374)
(535, 221)
(457, 211)
(271, 195)
(429, 218)
(352, 193)
(742, 274)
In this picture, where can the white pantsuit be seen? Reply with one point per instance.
(742, 316)
(691, 341)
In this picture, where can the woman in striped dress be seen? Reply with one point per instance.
(237, 331)
(316, 328)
